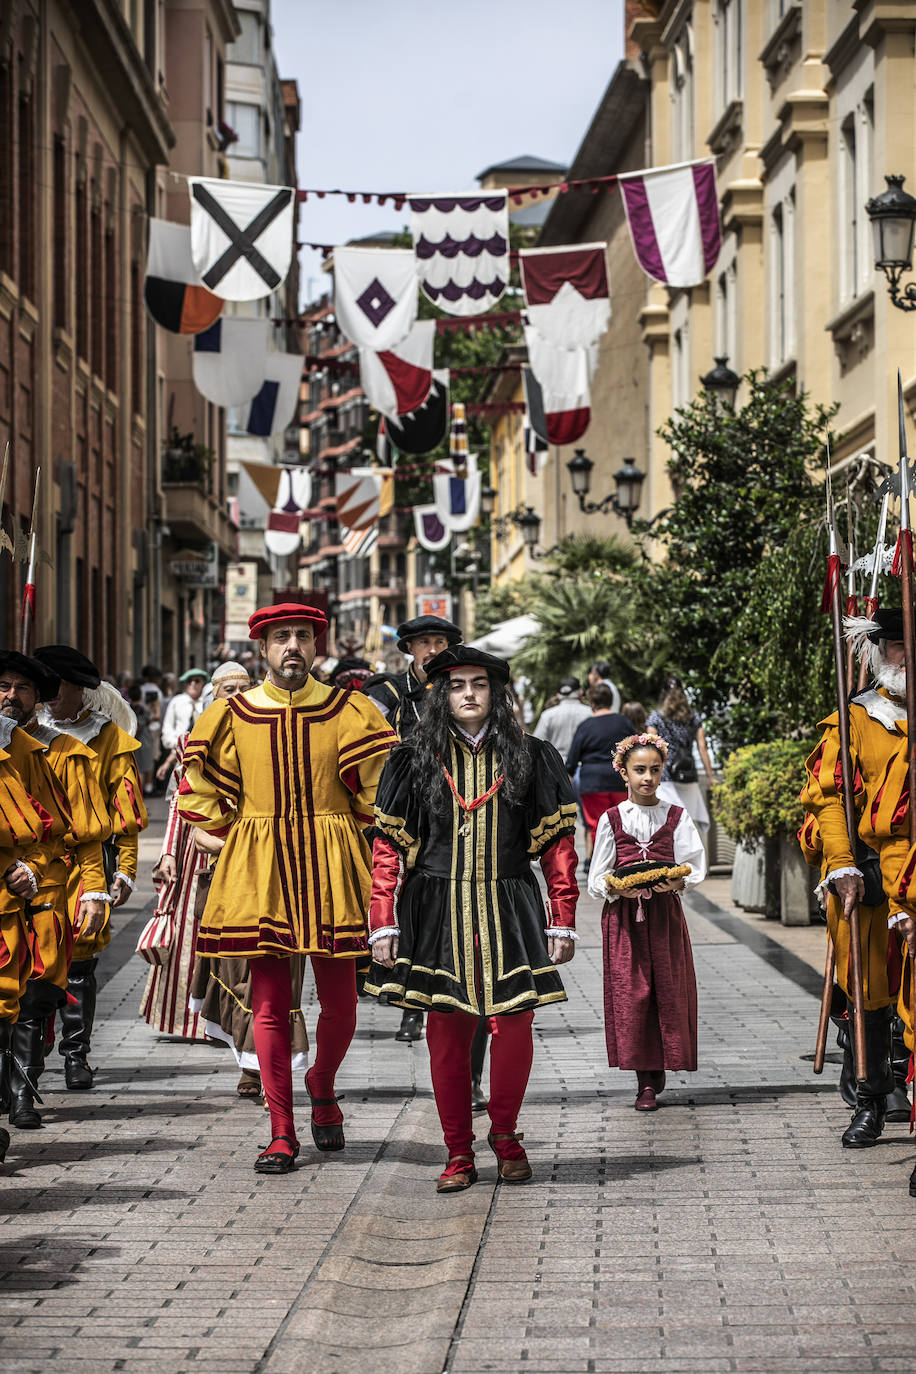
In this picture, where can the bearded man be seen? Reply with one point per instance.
(869, 873)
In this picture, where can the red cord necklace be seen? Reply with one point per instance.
(477, 801)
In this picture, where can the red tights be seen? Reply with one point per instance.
(449, 1035)
(335, 983)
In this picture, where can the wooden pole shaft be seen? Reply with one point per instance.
(820, 1048)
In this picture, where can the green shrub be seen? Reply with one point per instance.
(758, 796)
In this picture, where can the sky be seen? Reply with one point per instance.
(421, 95)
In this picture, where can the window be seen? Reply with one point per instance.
(137, 317)
(682, 96)
(727, 314)
(59, 246)
(6, 172)
(729, 51)
(246, 121)
(81, 266)
(27, 189)
(111, 312)
(856, 155)
(208, 77)
(247, 47)
(96, 291)
(782, 281)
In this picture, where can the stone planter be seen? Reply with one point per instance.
(796, 885)
(748, 882)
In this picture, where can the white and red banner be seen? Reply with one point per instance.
(461, 243)
(673, 214)
(567, 293)
(424, 429)
(564, 376)
(241, 236)
(375, 295)
(294, 494)
(397, 381)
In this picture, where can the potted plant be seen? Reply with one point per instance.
(757, 804)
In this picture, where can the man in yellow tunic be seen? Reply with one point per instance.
(25, 832)
(878, 746)
(22, 682)
(75, 710)
(287, 772)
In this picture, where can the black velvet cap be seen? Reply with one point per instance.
(888, 625)
(46, 681)
(69, 664)
(427, 625)
(463, 656)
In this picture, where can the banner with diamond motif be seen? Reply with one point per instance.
(375, 295)
(461, 244)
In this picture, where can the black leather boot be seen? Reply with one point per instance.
(27, 1046)
(841, 1021)
(479, 1100)
(76, 1019)
(6, 1031)
(871, 1094)
(411, 1027)
(898, 1102)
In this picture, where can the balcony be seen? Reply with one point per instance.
(190, 511)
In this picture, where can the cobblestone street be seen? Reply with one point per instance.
(727, 1232)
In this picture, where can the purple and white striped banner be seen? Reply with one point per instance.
(461, 244)
(673, 214)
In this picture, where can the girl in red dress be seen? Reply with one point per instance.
(646, 851)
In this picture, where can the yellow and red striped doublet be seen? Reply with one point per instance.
(25, 830)
(289, 778)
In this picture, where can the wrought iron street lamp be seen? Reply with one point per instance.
(722, 383)
(628, 481)
(893, 222)
(487, 500)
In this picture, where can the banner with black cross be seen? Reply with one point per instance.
(241, 236)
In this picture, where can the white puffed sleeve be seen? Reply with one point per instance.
(688, 849)
(604, 857)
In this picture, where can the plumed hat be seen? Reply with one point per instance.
(69, 664)
(46, 682)
(427, 625)
(283, 614)
(463, 656)
(888, 624)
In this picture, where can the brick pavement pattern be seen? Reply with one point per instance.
(726, 1232)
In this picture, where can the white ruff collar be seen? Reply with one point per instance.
(84, 728)
(884, 710)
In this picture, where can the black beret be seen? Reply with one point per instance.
(888, 625)
(427, 625)
(69, 664)
(463, 656)
(46, 681)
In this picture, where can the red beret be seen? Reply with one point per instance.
(283, 614)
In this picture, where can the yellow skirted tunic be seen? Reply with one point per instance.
(25, 829)
(73, 764)
(289, 778)
(878, 745)
(113, 751)
(49, 926)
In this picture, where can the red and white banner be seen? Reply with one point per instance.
(673, 214)
(564, 376)
(397, 381)
(567, 293)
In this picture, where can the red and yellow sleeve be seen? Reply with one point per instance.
(822, 797)
(364, 740)
(211, 789)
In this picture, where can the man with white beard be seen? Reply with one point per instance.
(869, 875)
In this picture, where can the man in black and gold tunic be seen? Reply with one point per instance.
(456, 917)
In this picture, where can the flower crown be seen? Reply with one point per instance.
(626, 746)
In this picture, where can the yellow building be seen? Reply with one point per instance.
(805, 107)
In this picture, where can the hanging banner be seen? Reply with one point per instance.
(673, 214)
(564, 376)
(375, 295)
(230, 359)
(274, 406)
(457, 498)
(458, 439)
(425, 429)
(461, 244)
(294, 495)
(360, 543)
(358, 495)
(241, 236)
(432, 532)
(281, 536)
(535, 418)
(398, 381)
(172, 290)
(567, 293)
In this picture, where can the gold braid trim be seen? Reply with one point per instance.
(646, 878)
(562, 822)
(393, 828)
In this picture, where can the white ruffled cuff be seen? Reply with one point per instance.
(124, 879)
(32, 879)
(849, 872)
(894, 919)
(562, 931)
(95, 897)
(383, 934)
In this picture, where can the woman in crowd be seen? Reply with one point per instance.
(679, 725)
(591, 752)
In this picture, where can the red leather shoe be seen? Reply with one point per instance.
(645, 1101)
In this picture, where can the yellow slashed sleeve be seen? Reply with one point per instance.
(211, 788)
(822, 796)
(73, 763)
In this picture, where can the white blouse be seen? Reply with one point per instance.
(642, 822)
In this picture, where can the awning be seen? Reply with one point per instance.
(506, 638)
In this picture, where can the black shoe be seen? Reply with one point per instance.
(4, 1143)
(411, 1027)
(866, 1126)
(479, 1099)
(898, 1105)
(77, 1073)
(913, 1184)
(27, 1044)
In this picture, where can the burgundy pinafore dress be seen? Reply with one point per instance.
(650, 988)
